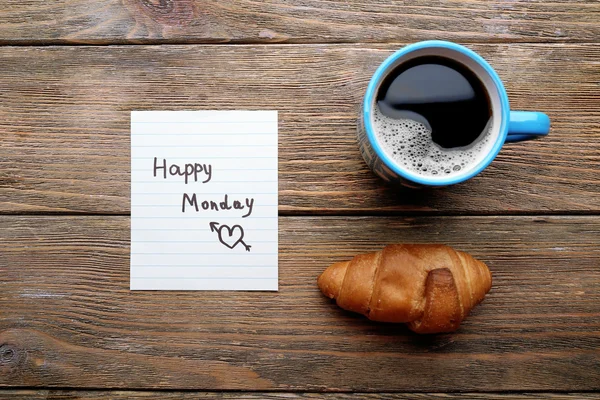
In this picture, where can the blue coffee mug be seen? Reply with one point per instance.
(507, 126)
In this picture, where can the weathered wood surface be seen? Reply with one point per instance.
(64, 124)
(144, 395)
(69, 320)
(298, 21)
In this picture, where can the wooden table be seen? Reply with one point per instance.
(72, 70)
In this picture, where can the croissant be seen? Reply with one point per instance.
(430, 287)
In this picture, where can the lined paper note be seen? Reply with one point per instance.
(204, 200)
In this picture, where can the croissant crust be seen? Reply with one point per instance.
(432, 288)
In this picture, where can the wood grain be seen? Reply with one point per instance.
(64, 123)
(116, 395)
(69, 320)
(296, 21)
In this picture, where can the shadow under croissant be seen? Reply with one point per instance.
(400, 333)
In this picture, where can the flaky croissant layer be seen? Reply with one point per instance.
(430, 287)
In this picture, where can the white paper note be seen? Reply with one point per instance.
(204, 200)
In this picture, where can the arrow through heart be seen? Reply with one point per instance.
(229, 236)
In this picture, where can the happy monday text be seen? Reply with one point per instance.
(203, 172)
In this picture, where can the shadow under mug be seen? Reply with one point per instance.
(507, 126)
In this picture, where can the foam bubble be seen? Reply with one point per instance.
(410, 145)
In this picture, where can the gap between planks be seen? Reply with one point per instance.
(101, 393)
(167, 42)
(349, 213)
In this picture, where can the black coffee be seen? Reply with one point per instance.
(441, 94)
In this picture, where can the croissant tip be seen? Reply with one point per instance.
(330, 281)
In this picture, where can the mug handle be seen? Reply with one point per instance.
(525, 125)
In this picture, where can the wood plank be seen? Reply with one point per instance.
(296, 21)
(144, 395)
(64, 123)
(69, 320)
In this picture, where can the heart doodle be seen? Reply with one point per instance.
(229, 236)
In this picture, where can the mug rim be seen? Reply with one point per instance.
(504, 110)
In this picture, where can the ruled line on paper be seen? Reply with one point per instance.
(203, 266)
(187, 169)
(201, 122)
(210, 157)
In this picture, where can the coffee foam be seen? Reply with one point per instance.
(410, 145)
